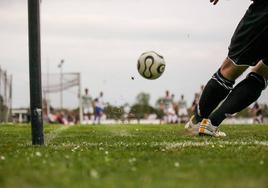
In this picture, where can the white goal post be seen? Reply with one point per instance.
(5, 96)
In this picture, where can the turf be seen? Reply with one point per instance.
(133, 156)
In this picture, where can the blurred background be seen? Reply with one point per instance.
(95, 45)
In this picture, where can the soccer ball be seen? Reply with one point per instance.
(151, 65)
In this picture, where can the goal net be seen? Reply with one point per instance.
(61, 92)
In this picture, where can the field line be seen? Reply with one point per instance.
(174, 145)
(165, 145)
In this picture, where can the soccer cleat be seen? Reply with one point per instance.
(192, 127)
(206, 128)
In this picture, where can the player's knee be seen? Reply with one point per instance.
(262, 68)
(259, 79)
(231, 71)
(227, 84)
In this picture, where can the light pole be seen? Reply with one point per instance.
(60, 66)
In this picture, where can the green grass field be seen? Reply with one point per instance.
(133, 156)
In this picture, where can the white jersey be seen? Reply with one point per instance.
(101, 102)
(98, 104)
(87, 104)
(168, 101)
(182, 104)
(168, 105)
(87, 101)
(182, 107)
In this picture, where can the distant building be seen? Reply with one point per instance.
(21, 115)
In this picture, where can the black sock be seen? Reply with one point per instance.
(245, 93)
(214, 92)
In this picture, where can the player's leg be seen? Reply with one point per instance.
(244, 49)
(166, 115)
(262, 68)
(244, 94)
(217, 88)
(248, 46)
(215, 91)
(100, 115)
(85, 115)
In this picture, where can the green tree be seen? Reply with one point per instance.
(143, 99)
(114, 112)
(142, 106)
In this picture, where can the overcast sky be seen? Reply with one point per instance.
(102, 39)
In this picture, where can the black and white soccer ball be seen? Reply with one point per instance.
(151, 65)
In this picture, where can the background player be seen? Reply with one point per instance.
(257, 113)
(99, 105)
(87, 105)
(182, 110)
(168, 107)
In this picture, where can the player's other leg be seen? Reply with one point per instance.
(85, 116)
(244, 94)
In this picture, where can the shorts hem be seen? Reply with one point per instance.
(236, 64)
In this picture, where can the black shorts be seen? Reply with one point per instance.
(249, 43)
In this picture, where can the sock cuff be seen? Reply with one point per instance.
(227, 84)
(260, 79)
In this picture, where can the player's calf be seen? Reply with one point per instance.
(245, 93)
(217, 88)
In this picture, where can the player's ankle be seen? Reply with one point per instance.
(196, 119)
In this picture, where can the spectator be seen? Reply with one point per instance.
(257, 114)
